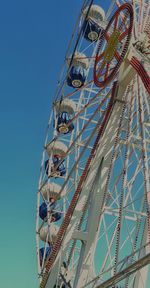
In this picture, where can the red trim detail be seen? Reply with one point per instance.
(104, 37)
(141, 72)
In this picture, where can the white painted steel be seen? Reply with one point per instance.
(66, 105)
(56, 148)
(46, 236)
(52, 190)
(96, 13)
(79, 59)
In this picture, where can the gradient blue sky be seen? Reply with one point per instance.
(34, 37)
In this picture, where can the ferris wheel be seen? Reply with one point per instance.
(93, 201)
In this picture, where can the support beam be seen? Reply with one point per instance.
(94, 216)
(131, 269)
(138, 281)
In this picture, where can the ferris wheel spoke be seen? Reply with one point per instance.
(116, 182)
(116, 22)
(114, 151)
(100, 57)
(130, 184)
(146, 100)
(142, 12)
(106, 72)
(124, 34)
(107, 36)
(136, 237)
(123, 20)
(130, 152)
(100, 70)
(108, 256)
(144, 158)
(117, 55)
(146, 21)
(122, 192)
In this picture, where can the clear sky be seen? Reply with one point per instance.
(33, 41)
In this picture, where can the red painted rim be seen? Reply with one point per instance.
(127, 10)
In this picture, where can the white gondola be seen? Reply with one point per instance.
(79, 59)
(93, 22)
(56, 148)
(78, 71)
(65, 105)
(52, 190)
(49, 234)
(96, 13)
(54, 167)
(65, 110)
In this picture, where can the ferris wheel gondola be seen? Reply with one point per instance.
(65, 109)
(93, 22)
(78, 70)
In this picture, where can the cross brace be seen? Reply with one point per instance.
(126, 272)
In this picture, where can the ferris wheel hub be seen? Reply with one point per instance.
(112, 45)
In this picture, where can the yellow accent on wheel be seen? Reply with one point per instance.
(112, 45)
